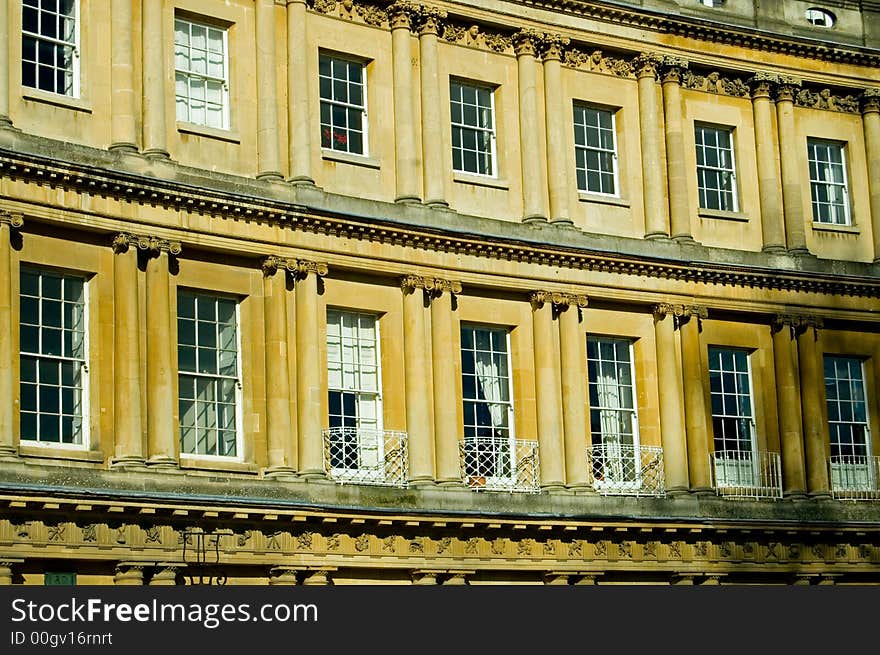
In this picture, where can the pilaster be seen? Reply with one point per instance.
(792, 175)
(672, 431)
(525, 43)
(400, 14)
(9, 221)
(671, 70)
(646, 67)
(870, 103)
(763, 86)
(788, 406)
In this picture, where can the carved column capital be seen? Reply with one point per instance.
(303, 267)
(151, 245)
(797, 323)
(401, 14)
(560, 300)
(429, 20)
(870, 100)
(526, 42)
(436, 287)
(271, 264)
(787, 88)
(553, 46)
(13, 219)
(763, 84)
(647, 64)
(409, 283)
(681, 312)
(672, 69)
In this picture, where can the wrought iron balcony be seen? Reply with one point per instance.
(746, 474)
(854, 477)
(499, 464)
(366, 456)
(625, 470)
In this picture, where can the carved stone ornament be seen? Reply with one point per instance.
(153, 245)
(527, 42)
(558, 299)
(714, 82)
(476, 36)
(598, 62)
(763, 84)
(870, 100)
(787, 88)
(681, 311)
(429, 20)
(552, 46)
(647, 64)
(433, 286)
(827, 99)
(401, 13)
(672, 69)
(13, 219)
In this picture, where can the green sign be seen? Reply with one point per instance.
(60, 579)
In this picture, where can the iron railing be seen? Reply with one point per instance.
(854, 477)
(626, 470)
(366, 456)
(499, 464)
(746, 474)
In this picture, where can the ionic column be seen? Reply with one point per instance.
(128, 424)
(558, 122)
(534, 190)
(309, 391)
(165, 575)
(130, 574)
(443, 325)
(318, 577)
(772, 228)
(123, 124)
(429, 23)
(161, 438)
(406, 158)
(282, 576)
(792, 175)
(422, 577)
(418, 425)
(575, 400)
(812, 399)
(268, 151)
(673, 69)
(8, 222)
(672, 431)
(547, 393)
(646, 66)
(696, 421)
(871, 125)
(154, 75)
(280, 432)
(788, 407)
(457, 578)
(299, 133)
(5, 120)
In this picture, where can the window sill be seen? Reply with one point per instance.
(209, 132)
(586, 196)
(349, 158)
(54, 452)
(231, 466)
(66, 102)
(840, 229)
(480, 180)
(723, 215)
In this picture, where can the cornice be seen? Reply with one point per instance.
(229, 205)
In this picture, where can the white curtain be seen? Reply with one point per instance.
(491, 382)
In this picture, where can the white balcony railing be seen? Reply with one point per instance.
(365, 456)
(620, 469)
(498, 464)
(854, 477)
(746, 474)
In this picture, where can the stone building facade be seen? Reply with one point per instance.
(565, 292)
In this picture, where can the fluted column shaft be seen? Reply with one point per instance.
(812, 398)
(525, 43)
(788, 408)
(406, 157)
(308, 371)
(871, 127)
(649, 135)
(547, 393)
(123, 124)
(280, 435)
(432, 142)
(672, 428)
(557, 122)
(5, 120)
(575, 403)
(772, 227)
(8, 222)
(792, 176)
(154, 75)
(299, 148)
(127, 419)
(268, 143)
(162, 448)
(418, 426)
(676, 170)
(445, 400)
(694, 400)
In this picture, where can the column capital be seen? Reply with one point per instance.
(870, 100)
(762, 84)
(152, 245)
(527, 41)
(787, 88)
(424, 576)
(401, 14)
(271, 264)
(433, 286)
(647, 64)
(302, 268)
(552, 46)
(13, 219)
(560, 300)
(672, 69)
(429, 20)
(680, 311)
(797, 322)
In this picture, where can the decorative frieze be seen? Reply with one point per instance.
(827, 99)
(598, 61)
(715, 82)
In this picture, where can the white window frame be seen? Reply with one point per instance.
(834, 208)
(615, 177)
(85, 404)
(818, 17)
(613, 476)
(492, 152)
(702, 190)
(850, 472)
(746, 472)
(74, 45)
(239, 405)
(363, 108)
(188, 74)
(378, 467)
